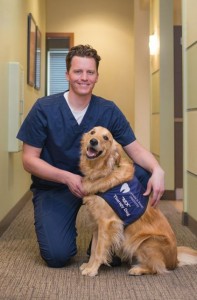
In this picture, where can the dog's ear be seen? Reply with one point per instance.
(117, 152)
(82, 142)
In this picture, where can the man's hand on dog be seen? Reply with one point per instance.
(156, 186)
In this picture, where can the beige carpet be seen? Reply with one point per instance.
(24, 276)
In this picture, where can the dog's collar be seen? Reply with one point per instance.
(127, 200)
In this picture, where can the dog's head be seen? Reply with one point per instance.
(98, 144)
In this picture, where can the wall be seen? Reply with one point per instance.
(190, 110)
(162, 90)
(14, 181)
(177, 12)
(108, 27)
(142, 72)
(167, 92)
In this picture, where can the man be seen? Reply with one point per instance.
(51, 135)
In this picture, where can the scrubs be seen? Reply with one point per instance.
(51, 126)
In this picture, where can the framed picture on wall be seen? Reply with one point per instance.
(31, 50)
(38, 59)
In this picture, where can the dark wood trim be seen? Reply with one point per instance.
(178, 108)
(69, 35)
(169, 195)
(188, 221)
(7, 220)
(184, 218)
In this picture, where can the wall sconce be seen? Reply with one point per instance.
(153, 44)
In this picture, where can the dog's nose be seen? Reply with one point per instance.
(93, 142)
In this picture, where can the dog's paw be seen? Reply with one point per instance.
(136, 271)
(83, 266)
(89, 272)
(140, 270)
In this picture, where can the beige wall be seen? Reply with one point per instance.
(14, 182)
(190, 106)
(162, 89)
(167, 91)
(177, 15)
(142, 72)
(108, 27)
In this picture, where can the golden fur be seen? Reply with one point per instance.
(150, 239)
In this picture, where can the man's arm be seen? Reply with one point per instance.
(145, 159)
(35, 165)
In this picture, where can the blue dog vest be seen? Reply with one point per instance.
(127, 200)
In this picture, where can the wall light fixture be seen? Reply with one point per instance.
(153, 44)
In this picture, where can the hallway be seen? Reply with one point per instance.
(25, 276)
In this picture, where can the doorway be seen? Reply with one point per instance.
(57, 47)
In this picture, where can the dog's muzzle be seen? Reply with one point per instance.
(92, 149)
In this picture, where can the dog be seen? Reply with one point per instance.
(149, 239)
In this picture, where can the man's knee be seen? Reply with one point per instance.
(58, 258)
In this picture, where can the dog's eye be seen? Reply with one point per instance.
(92, 132)
(106, 137)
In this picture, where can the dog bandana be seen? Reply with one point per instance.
(127, 200)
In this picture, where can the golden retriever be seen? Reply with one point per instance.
(150, 239)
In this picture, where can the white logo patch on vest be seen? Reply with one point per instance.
(125, 188)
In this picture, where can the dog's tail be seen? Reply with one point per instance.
(186, 256)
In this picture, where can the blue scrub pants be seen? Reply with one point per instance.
(55, 213)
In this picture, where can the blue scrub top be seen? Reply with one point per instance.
(50, 125)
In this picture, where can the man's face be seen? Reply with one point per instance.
(82, 75)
